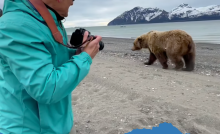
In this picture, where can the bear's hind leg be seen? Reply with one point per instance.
(189, 62)
(151, 60)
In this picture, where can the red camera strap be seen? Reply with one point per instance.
(42, 9)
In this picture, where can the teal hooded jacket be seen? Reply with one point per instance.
(37, 74)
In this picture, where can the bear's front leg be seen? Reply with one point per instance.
(162, 57)
(151, 60)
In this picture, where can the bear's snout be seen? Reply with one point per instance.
(133, 49)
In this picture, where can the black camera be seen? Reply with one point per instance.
(77, 38)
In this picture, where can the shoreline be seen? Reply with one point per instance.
(133, 38)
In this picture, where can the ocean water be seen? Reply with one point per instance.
(201, 31)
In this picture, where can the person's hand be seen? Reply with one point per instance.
(92, 47)
(85, 36)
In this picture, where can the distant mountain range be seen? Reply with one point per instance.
(183, 12)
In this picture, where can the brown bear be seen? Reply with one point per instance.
(174, 44)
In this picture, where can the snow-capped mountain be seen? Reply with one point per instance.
(183, 12)
(186, 11)
(141, 15)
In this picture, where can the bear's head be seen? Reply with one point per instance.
(142, 41)
(137, 44)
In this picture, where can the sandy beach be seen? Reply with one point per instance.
(121, 94)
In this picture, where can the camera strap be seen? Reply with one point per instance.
(42, 9)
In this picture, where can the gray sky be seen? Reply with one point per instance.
(100, 12)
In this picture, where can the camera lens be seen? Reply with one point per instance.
(101, 45)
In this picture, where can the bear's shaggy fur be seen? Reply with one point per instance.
(175, 45)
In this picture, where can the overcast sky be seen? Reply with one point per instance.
(100, 12)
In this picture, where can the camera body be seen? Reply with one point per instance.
(77, 38)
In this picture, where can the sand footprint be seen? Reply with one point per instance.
(133, 96)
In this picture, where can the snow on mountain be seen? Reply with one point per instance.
(184, 10)
(140, 12)
(153, 14)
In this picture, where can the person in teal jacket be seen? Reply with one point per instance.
(37, 74)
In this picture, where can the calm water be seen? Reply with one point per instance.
(201, 31)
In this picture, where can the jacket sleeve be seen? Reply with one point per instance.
(31, 63)
(72, 52)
